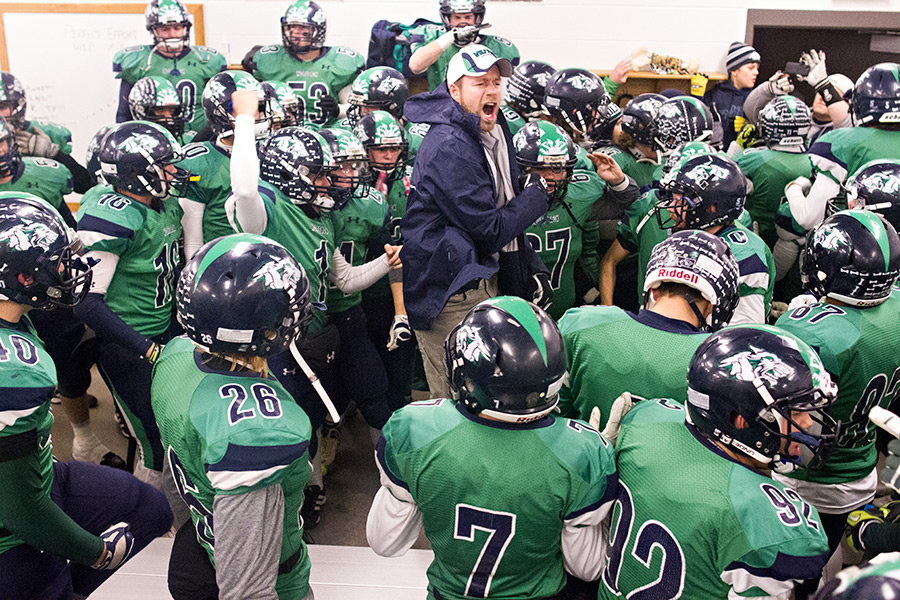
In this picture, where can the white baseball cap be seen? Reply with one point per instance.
(475, 60)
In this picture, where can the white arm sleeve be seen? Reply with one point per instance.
(245, 208)
(103, 270)
(584, 543)
(192, 225)
(394, 521)
(750, 309)
(809, 210)
(350, 279)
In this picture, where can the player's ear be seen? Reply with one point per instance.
(740, 422)
(455, 91)
(24, 279)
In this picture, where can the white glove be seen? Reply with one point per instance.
(779, 84)
(802, 300)
(594, 420)
(591, 295)
(461, 36)
(815, 59)
(118, 545)
(36, 143)
(399, 332)
(804, 183)
(620, 408)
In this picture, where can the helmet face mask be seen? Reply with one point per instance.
(764, 375)
(506, 360)
(162, 13)
(282, 104)
(541, 145)
(43, 268)
(243, 294)
(10, 157)
(704, 191)
(310, 17)
(12, 98)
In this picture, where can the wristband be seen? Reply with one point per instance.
(154, 354)
(830, 94)
(445, 41)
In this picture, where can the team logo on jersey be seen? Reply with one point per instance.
(582, 82)
(830, 237)
(281, 274)
(25, 237)
(757, 363)
(470, 346)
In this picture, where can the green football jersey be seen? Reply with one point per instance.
(310, 240)
(27, 383)
(860, 347)
(148, 244)
(582, 162)
(415, 133)
(210, 185)
(557, 237)
(364, 218)
(494, 497)
(437, 72)
(513, 119)
(841, 152)
(770, 171)
(599, 341)
(229, 433)
(640, 170)
(756, 267)
(43, 177)
(396, 201)
(189, 74)
(59, 135)
(639, 231)
(691, 523)
(327, 75)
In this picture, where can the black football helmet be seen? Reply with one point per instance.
(876, 96)
(576, 100)
(35, 242)
(682, 152)
(506, 360)
(351, 165)
(216, 102)
(638, 117)
(168, 12)
(681, 119)
(524, 91)
(379, 130)
(292, 159)
(309, 14)
(11, 160)
(155, 99)
(702, 261)
(379, 88)
(135, 155)
(876, 187)
(785, 121)
(12, 96)
(713, 192)
(92, 158)
(762, 373)
(877, 579)
(541, 144)
(245, 294)
(280, 95)
(853, 257)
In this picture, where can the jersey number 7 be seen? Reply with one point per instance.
(500, 526)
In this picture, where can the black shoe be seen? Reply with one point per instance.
(111, 459)
(313, 500)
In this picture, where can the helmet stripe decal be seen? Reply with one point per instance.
(225, 245)
(873, 223)
(524, 314)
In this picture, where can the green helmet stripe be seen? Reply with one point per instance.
(227, 244)
(871, 222)
(522, 312)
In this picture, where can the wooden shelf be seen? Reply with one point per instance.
(643, 82)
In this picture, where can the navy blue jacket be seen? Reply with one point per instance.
(727, 102)
(452, 227)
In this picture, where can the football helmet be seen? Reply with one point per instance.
(155, 99)
(540, 145)
(379, 130)
(12, 96)
(602, 133)
(638, 117)
(853, 257)
(292, 159)
(576, 100)
(876, 579)
(36, 243)
(168, 12)
(702, 261)
(11, 160)
(762, 374)
(713, 192)
(243, 293)
(524, 92)
(681, 119)
(308, 14)
(683, 151)
(282, 97)
(506, 360)
(785, 121)
(876, 95)
(91, 159)
(876, 187)
(461, 7)
(351, 164)
(216, 102)
(139, 157)
(380, 88)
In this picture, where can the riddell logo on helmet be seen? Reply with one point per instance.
(678, 274)
(892, 117)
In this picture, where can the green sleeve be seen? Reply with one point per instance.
(30, 514)
(611, 86)
(881, 537)
(590, 259)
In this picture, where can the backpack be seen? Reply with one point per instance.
(389, 44)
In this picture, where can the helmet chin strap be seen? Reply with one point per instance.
(701, 320)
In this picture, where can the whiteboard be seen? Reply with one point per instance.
(64, 61)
